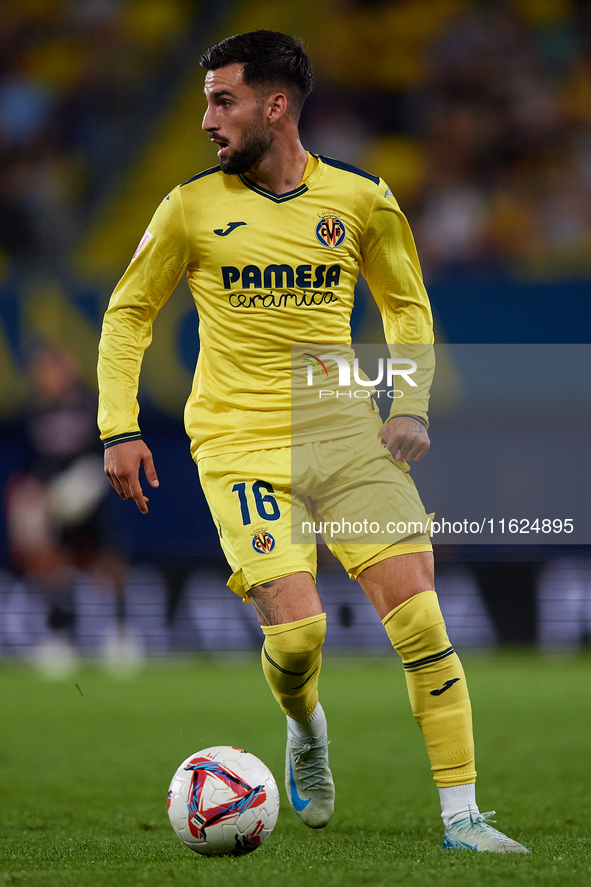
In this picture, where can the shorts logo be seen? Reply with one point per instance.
(263, 542)
(330, 230)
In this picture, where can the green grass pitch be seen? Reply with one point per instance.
(85, 764)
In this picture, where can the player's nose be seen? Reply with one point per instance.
(209, 124)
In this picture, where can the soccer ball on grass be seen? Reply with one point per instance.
(223, 800)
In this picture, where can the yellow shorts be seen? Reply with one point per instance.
(269, 506)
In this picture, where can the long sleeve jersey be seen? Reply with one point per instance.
(268, 273)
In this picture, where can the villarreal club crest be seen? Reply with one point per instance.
(263, 542)
(330, 230)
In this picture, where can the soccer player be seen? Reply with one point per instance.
(272, 240)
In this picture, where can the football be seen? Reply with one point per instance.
(223, 800)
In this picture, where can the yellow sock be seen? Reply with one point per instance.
(291, 659)
(436, 687)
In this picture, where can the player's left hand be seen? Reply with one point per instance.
(406, 438)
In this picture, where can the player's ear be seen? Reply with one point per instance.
(276, 107)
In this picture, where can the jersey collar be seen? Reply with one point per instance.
(311, 173)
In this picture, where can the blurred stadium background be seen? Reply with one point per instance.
(477, 114)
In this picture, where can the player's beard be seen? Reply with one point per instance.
(253, 144)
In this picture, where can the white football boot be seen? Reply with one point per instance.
(474, 833)
(308, 780)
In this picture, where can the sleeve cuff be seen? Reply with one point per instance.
(408, 416)
(122, 438)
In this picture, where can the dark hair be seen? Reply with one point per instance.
(270, 59)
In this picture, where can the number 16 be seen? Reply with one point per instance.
(266, 506)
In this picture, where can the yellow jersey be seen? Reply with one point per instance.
(267, 272)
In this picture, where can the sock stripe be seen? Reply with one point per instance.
(428, 660)
(295, 674)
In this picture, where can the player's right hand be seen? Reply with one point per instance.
(122, 467)
(406, 438)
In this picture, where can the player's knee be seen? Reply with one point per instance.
(299, 639)
(291, 658)
(293, 650)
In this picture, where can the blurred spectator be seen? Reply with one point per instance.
(57, 527)
(25, 108)
(333, 127)
(500, 94)
(53, 508)
(78, 83)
